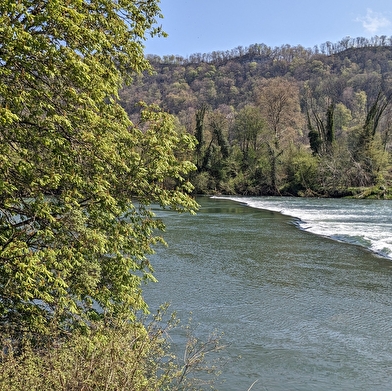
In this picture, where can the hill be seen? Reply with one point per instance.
(271, 120)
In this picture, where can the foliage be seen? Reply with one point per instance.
(278, 100)
(301, 170)
(248, 126)
(337, 107)
(73, 243)
(130, 356)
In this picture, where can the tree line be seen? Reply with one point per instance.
(289, 122)
(284, 51)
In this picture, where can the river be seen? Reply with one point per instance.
(300, 289)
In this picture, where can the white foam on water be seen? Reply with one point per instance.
(368, 224)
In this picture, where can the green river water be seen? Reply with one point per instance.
(304, 312)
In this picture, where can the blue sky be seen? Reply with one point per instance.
(202, 26)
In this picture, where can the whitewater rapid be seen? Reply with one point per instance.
(367, 223)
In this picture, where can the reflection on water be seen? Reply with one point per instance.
(304, 312)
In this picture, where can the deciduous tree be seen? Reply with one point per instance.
(278, 99)
(73, 244)
(248, 127)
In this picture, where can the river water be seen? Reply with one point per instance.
(297, 286)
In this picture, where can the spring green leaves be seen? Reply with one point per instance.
(73, 244)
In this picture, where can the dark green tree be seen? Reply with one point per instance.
(369, 151)
(199, 135)
(248, 127)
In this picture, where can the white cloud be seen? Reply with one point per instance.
(373, 21)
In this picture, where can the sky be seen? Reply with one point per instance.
(204, 26)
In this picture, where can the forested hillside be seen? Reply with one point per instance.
(286, 120)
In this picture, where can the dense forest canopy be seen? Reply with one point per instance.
(284, 120)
